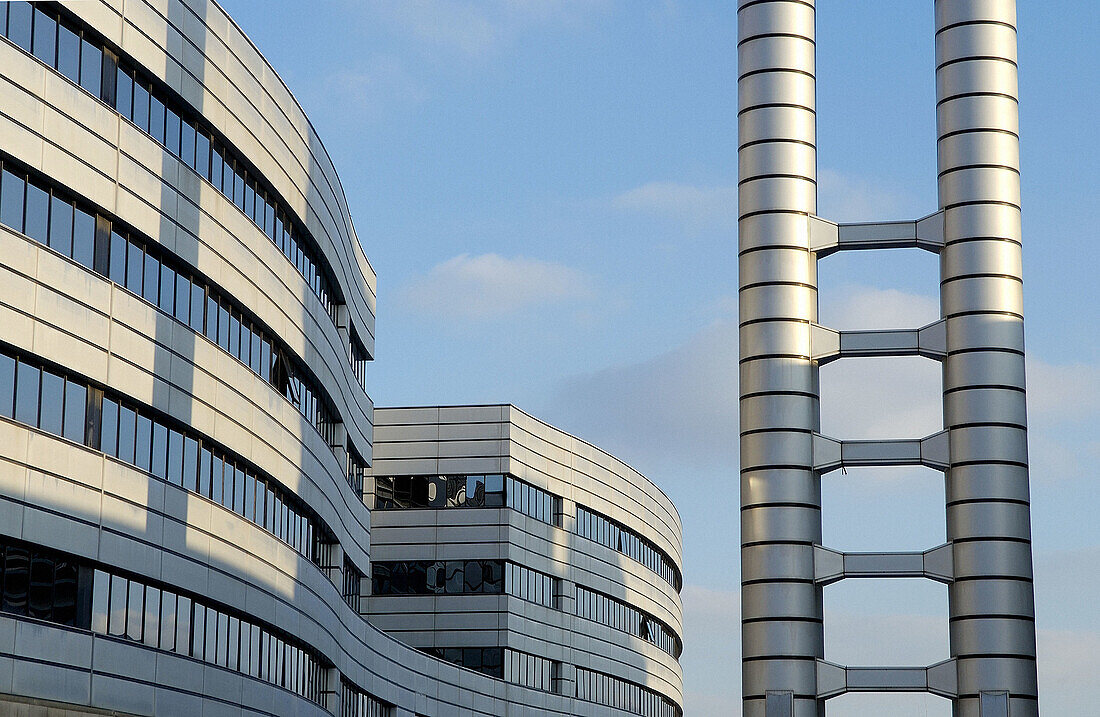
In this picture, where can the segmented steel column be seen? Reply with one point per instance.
(988, 518)
(780, 494)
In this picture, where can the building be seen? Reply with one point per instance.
(503, 544)
(186, 450)
(986, 564)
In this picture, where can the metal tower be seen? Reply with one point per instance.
(982, 450)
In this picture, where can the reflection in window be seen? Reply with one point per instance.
(531, 585)
(621, 694)
(166, 620)
(616, 536)
(442, 577)
(41, 583)
(486, 660)
(62, 224)
(61, 406)
(466, 491)
(606, 610)
(354, 702)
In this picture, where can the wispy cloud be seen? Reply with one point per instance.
(490, 286)
(694, 206)
(845, 198)
(377, 86)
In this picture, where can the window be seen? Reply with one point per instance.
(45, 37)
(7, 386)
(603, 530)
(530, 585)
(19, 24)
(52, 403)
(604, 689)
(40, 583)
(357, 703)
(12, 188)
(27, 380)
(61, 226)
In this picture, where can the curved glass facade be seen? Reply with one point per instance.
(187, 449)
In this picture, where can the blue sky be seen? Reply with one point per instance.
(547, 190)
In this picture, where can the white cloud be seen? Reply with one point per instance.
(378, 85)
(842, 198)
(491, 286)
(687, 203)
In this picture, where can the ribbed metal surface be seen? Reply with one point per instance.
(988, 519)
(980, 342)
(780, 493)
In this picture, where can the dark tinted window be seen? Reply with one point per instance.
(124, 93)
(91, 67)
(7, 385)
(128, 438)
(11, 200)
(38, 214)
(51, 408)
(135, 263)
(76, 404)
(83, 237)
(108, 433)
(117, 271)
(68, 53)
(141, 106)
(61, 226)
(156, 119)
(26, 394)
(19, 24)
(45, 37)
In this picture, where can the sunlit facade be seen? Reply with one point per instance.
(187, 467)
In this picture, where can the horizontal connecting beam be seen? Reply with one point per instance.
(831, 454)
(936, 564)
(827, 237)
(939, 679)
(829, 345)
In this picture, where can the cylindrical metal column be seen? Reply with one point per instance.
(988, 516)
(781, 607)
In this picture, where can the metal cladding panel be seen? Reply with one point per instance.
(778, 303)
(988, 515)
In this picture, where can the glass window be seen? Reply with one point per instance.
(205, 466)
(61, 226)
(135, 267)
(124, 93)
(190, 463)
(141, 106)
(250, 201)
(198, 631)
(227, 177)
(91, 67)
(12, 189)
(217, 168)
(223, 327)
(26, 394)
(187, 143)
(127, 432)
(238, 491)
(167, 621)
(117, 270)
(100, 593)
(183, 624)
(217, 479)
(108, 435)
(151, 285)
(183, 298)
(19, 24)
(76, 404)
(83, 237)
(45, 37)
(211, 328)
(159, 466)
(202, 154)
(156, 118)
(234, 335)
(68, 53)
(117, 619)
(143, 442)
(175, 457)
(197, 302)
(152, 616)
(238, 187)
(135, 610)
(172, 132)
(53, 400)
(7, 385)
(167, 298)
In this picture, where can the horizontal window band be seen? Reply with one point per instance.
(991, 539)
(785, 430)
(992, 616)
(766, 212)
(981, 275)
(769, 394)
(779, 581)
(984, 349)
(761, 543)
(1006, 240)
(764, 177)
